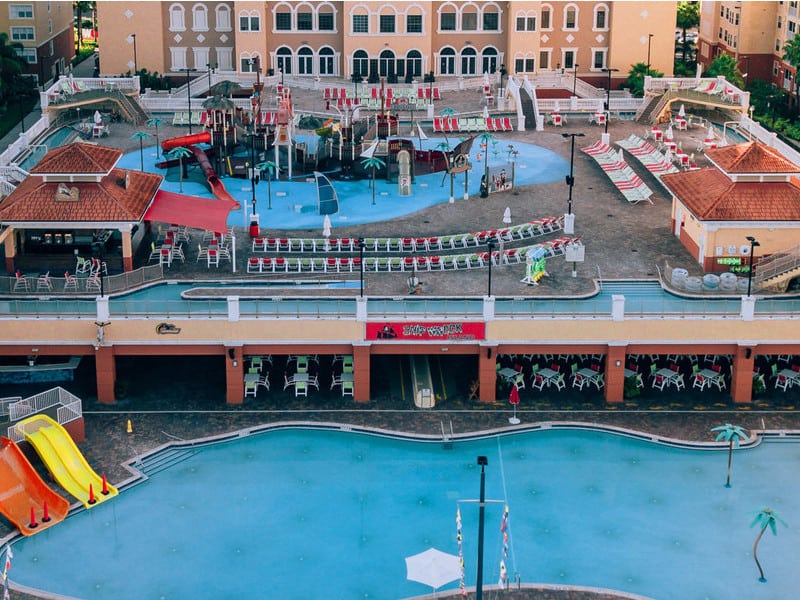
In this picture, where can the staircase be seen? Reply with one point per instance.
(527, 109)
(775, 272)
(129, 108)
(132, 110)
(652, 107)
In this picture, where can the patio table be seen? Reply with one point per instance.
(671, 376)
(548, 375)
(508, 374)
(591, 376)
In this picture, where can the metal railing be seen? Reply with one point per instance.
(67, 86)
(112, 284)
(777, 264)
(37, 403)
(5, 402)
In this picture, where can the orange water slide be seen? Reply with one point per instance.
(186, 140)
(21, 489)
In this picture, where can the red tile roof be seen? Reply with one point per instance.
(751, 157)
(78, 158)
(106, 201)
(711, 196)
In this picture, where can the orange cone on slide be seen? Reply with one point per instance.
(105, 485)
(92, 499)
(33, 524)
(45, 513)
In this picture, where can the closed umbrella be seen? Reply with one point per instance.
(682, 111)
(514, 400)
(710, 134)
(507, 215)
(433, 568)
(98, 118)
(326, 230)
(668, 133)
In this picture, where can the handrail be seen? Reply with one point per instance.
(777, 264)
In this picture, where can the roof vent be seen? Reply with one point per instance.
(64, 193)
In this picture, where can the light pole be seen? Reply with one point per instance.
(503, 72)
(135, 64)
(361, 246)
(482, 461)
(575, 79)
(281, 70)
(211, 69)
(608, 94)
(649, 37)
(753, 244)
(571, 176)
(490, 246)
(187, 70)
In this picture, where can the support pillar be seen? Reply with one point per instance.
(615, 374)
(742, 378)
(487, 373)
(234, 375)
(11, 250)
(361, 372)
(127, 251)
(106, 373)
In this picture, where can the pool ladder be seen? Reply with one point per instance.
(446, 437)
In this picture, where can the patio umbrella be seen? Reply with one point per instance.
(507, 215)
(514, 400)
(668, 133)
(326, 229)
(98, 118)
(433, 567)
(449, 112)
(667, 156)
(485, 112)
(682, 111)
(710, 133)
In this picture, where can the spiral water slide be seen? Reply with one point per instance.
(189, 141)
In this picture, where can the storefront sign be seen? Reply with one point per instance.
(426, 331)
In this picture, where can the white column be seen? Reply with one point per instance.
(361, 309)
(233, 308)
(617, 307)
(103, 314)
(488, 308)
(605, 138)
(569, 223)
(748, 308)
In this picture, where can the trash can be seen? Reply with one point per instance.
(254, 228)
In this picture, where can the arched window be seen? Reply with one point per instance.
(469, 18)
(447, 18)
(413, 63)
(600, 20)
(361, 63)
(199, 17)
(282, 17)
(386, 63)
(284, 60)
(414, 19)
(223, 17)
(304, 13)
(305, 61)
(249, 62)
(546, 18)
(326, 57)
(489, 60)
(249, 20)
(526, 21)
(326, 17)
(570, 17)
(468, 60)
(490, 19)
(524, 62)
(447, 61)
(177, 21)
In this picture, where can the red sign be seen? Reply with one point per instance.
(426, 331)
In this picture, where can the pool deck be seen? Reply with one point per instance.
(623, 241)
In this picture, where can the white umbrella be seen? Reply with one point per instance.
(668, 133)
(507, 215)
(433, 567)
(98, 118)
(326, 229)
(667, 156)
(710, 133)
(485, 112)
(682, 111)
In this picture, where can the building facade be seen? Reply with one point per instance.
(45, 30)
(399, 41)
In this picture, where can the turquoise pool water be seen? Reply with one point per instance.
(333, 514)
(61, 136)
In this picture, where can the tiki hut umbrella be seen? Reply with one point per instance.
(226, 88)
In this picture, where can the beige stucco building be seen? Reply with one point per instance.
(394, 40)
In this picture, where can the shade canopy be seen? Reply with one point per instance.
(191, 211)
(433, 567)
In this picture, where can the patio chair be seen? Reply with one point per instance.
(560, 383)
(519, 381)
(84, 266)
(202, 253)
(70, 282)
(250, 388)
(93, 284)
(21, 283)
(347, 388)
(44, 283)
(538, 382)
(578, 381)
(783, 383)
(300, 388)
(659, 382)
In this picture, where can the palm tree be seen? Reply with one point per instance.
(791, 54)
(485, 139)
(636, 77)
(726, 66)
(731, 434)
(688, 17)
(10, 65)
(156, 122)
(766, 517)
(269, 167)
(80, 8)
(141, 136)
(179, 152)
(373, 162)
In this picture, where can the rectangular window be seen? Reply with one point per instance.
(387, 24)
(178, 56)
(22, 34)
(249, 23)
(469, 22)
(600, 19)
(20, 11)
(283, 21)
(530, 65)
(775, 68)
(779, 23)
(777, 45)
(544, 60)
(447, 22)
(599, 59)
(27, 54)
(569, 59)
(792, 26)
(546, 19)
(305, 21)
(569, 22)
(360, 23)
(521, 25)
(326, 21)
(414, 24)
(491, 22)
(519, 65)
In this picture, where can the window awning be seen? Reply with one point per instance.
(191, 211)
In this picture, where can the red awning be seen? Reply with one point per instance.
(192, 211)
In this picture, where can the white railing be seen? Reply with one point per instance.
(24, 140)
(69, 409)
(34, 404)
(768, 138)
(66, 86)
(5, 402)
(564, 105)
(725, 89)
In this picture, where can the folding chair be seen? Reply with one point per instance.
(300, 388)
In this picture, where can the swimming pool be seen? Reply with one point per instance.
(315, 513)
(59, 137)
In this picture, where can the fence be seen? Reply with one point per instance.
(37, 403)
(83, 285)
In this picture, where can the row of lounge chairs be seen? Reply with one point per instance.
(450, 262)
(197, 118)
(473, 239)
(647, 154)
(620, 173)
(365, 93)
(449, 124)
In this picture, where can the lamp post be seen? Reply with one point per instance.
(187, 70)
(503, 73)
(281, 70)
(361, 246)
(211, 69)
(608, 94)
(490, 246)
(135, 63)
(575, 79)
(431, 78)
(753, 244)
(649, 38)
(482, 461)
(569, 221)
(356, 79)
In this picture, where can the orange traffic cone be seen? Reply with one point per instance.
(130, 427)
(33, 524)
(105, 485)
(92, 499)
(45, 513)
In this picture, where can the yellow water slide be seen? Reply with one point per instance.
(63, 459)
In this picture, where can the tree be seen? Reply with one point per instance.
(269, 167)
(373, 162)
(791, 54)
(80, 8)
(141, 136)
(688, 18)
(156, 122)
(636, 78)
(731, 434)
(766, 517)
(726, 66)
(10, 65)
(179, 152)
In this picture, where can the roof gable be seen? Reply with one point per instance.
(750, 158)
(78, 159)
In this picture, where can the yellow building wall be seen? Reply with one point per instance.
(249, 43)
(116, 22)
(631, 22)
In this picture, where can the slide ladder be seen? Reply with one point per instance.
(63, 459)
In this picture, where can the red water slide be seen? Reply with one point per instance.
(189, 141)
(22, 490)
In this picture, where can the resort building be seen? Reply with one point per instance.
(45, 30)
(400, 41)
